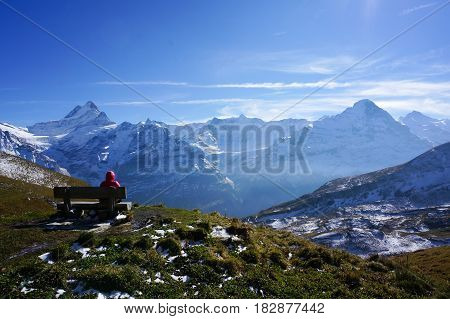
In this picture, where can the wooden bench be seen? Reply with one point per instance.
(108, 199)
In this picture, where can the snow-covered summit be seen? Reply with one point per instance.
(19, 142)
(366, 111)
(87, 115)
(433, 130)
(80, 110)
(23, 134)
(240, 120)
(362, 138)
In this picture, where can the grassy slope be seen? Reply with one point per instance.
(434, 263)
(23, 202)
(274, 264)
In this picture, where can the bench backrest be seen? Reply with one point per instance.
(90, 192)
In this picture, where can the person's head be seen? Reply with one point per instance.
(110, 176)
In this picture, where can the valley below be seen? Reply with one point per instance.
(366, 231)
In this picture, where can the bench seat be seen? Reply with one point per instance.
(92, 198)
(121, 206)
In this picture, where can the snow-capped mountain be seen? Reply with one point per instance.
(385, 211)
(88, 116)
(87, 143)
(143, 156)
(361, 139)
(432, 130)
(19, 142)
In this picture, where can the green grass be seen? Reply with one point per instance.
(433, 263)
(275, 264)
(27, 203)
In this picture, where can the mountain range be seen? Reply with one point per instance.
(211, 165)
(396, 209)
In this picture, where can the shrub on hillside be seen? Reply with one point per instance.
(411, 283)
(144, 243)
(86, 239)
(230, 265)
(205, 225)
(376, 266)
(315, 263)
(132, 257)
(250, 255)
(277, 258)
(60, 252)
(171, 245)
(352, 278)
(167, 221)
(239, 229)
(51, 276)
(109, 278)
(195, 234)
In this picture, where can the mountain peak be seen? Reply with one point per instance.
(417, 116)
(366, 109)
(81, 116)
(79, 110)
(91, 105)
(365, 105)
(430, 129)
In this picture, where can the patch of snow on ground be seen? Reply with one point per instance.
(60, 224)
(76, 247)
(279, 223)
(26, 290)
(46, 257)
(158, 279)
(220, 232)
(241, 248)
(180, 278)
(80, 290)
(59, 293)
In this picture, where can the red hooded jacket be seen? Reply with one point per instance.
(110, 180)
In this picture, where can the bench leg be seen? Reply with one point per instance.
(67, 205)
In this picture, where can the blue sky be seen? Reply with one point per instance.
(200, 59)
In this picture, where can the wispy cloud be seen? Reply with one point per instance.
(212, 101)
(170, 83)
(293, 61)
(417, 8)
(279, 85)
(405, 88)
(246, 85)
(267, 109)
(398, 97)
(128, 103)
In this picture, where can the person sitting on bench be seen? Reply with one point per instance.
(110, 180)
